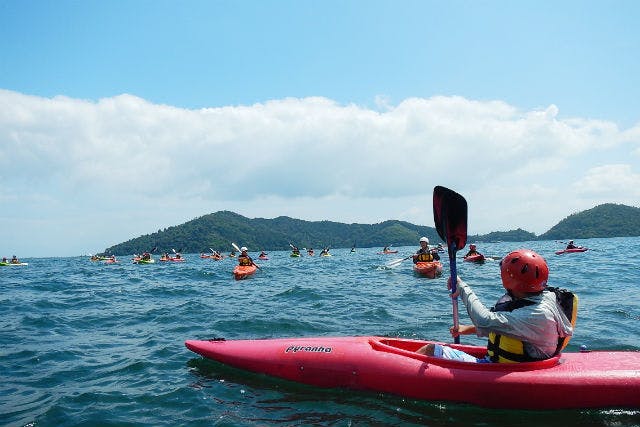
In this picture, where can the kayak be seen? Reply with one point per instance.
(428, 269)
(477, 258)
(243, 271)
(263, 257)
(596, 379)
(387, 252)
(568, 251)
(12, 264)
(143, 261)
(295, 255)
(173, 259)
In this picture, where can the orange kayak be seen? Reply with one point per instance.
(243, 271)
(428, 269)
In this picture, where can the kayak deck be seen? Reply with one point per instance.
(428, 269)
(241, 272)
(573, 380)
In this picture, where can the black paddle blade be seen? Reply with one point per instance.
(450, 216)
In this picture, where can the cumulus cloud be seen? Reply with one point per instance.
(313, 152)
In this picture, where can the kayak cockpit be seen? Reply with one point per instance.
(408, 348)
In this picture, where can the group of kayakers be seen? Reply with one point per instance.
(13, 260)
(528, 323)
(295, 251)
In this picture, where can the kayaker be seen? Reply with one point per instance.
(15, 260)
(472, 251)
(324, 252)
(524, 325)
(570, 245)
(310, 251)
(244, 258)
(424, 254)
(4, 259)
(295, 250)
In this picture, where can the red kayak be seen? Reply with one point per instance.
(428, 269)
(243, 271)
(477, 258)
(597, 379)
(568, 251)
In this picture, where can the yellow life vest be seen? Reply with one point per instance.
(505, 349)
(243, 260)
(424, 257)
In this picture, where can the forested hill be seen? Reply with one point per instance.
(218, 230)
(608, 220)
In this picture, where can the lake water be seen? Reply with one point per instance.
(84, 343)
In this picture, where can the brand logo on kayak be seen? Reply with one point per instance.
(310, 349)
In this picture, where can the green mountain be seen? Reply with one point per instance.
(218, 230)
(608, 220)
(518, 235)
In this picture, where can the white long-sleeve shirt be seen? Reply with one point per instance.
(539, 325)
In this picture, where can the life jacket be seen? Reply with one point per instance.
(424, 257)
(505, 349)
(244, 260)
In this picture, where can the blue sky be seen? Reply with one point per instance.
(128, 116)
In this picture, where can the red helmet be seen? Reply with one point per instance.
(524, 271)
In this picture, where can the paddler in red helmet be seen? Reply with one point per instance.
(525, 324)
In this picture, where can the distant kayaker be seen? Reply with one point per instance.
(424, 254)
(295, 250)
(4, 259)
(524, 325)
(324, 252)
(244, 258)
(310, 251)
(472, 251)
(570, 245)
(15, 260)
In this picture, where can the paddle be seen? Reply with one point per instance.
(238, 249)
(450, 217)
(397, 261)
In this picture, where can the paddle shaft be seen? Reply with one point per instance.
(454, 287)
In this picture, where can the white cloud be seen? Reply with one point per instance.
(615, 182)
(311, 157)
